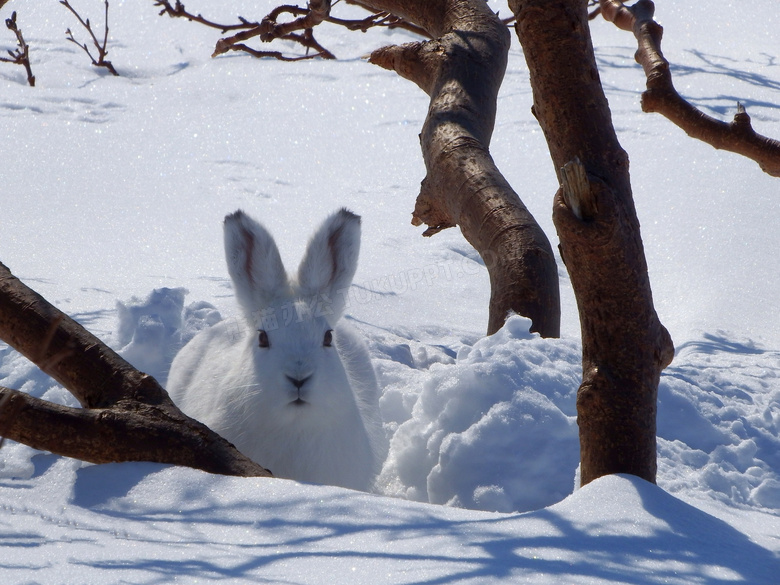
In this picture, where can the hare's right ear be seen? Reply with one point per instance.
(254, 263)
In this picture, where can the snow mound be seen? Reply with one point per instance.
(151, 331)
(492, 431)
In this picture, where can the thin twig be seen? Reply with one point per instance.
(269, 29)
(178, 10)
(21, 56)
(381, 19)
(274, 54)
(101, 61)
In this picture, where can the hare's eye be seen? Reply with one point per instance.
(328, 340)
(262, 339)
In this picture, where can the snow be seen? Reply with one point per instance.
(113, 194)
(157, 524)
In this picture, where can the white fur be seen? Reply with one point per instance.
(329, 431)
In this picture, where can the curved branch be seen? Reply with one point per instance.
(179, 11)
(127, 415)
(461, 70)
(661, 96)
(126, 432)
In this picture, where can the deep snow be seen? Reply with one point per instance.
(115, 187)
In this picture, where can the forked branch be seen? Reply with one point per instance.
(21, 55)
(102, 51)
(660, 96)
(178, 10)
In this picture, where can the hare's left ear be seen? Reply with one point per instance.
(329, 263)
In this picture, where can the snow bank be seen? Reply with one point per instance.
(141, 523)
(493, 430)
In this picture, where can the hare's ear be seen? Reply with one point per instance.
(253, 262)
(330, 262)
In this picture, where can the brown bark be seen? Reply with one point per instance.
(661, 96)
(624, 345)
(127, 415)
(461, 70)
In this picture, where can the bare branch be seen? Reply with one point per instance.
(21, 56)
(179, 11)
(101, 61)
(382, 18)
(127, 415)
(325, 54)
(269, 29)
(299, 30)
(661, 96)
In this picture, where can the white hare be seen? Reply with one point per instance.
(291, 389)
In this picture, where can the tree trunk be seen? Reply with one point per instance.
(624, 345)
(127, 416)
(462, 70)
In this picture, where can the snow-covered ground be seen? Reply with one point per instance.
(113, 188)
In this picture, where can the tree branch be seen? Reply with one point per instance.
(299, 30)
(269, 29)
(383, 18)
(101, 61)
(21, 56)
(127, 415)
(179, 11)
(661, 96)
(461, 70)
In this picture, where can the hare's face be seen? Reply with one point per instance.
(297, 361)
(295, 367)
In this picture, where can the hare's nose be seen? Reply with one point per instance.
(298, 382)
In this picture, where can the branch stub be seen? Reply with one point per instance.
(577, 194)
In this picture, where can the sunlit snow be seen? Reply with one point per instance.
(113, 194)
